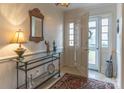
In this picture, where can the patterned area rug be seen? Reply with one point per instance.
(70, 81)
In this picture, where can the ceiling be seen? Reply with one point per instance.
(85, 5)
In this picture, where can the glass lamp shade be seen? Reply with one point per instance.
(18, 37)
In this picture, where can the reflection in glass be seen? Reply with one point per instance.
(36, 27)
(92, 40)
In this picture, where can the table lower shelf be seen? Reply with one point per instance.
(36, 82)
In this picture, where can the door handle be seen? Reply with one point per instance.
(97, 48)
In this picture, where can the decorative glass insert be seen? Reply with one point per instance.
(105, 30)
(71, 34)
(105, 21)
(92, 24)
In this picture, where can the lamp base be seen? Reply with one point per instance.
(20, 52)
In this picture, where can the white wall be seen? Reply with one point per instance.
(119, 45)
(14, 17)
(122, 48)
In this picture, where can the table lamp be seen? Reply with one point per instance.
(19, 38)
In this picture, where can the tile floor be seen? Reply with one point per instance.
(99, 76)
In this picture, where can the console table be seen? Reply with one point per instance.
(34, 61)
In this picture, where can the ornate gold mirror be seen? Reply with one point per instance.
(36, 25)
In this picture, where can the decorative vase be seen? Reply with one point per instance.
(54, 46)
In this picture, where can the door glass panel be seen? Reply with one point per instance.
(71, 43)
(104, 43)
(104, 28)
(71, 37)
(92, 39)
(92, 24)
(71, 34)
(92, 57)
(104, 36)
(71, 31)
(71, 25)
(104, 21)
(92, 44)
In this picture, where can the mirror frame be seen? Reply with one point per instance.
(36, 13)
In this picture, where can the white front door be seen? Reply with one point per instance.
(81, 43)
(76, 42)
